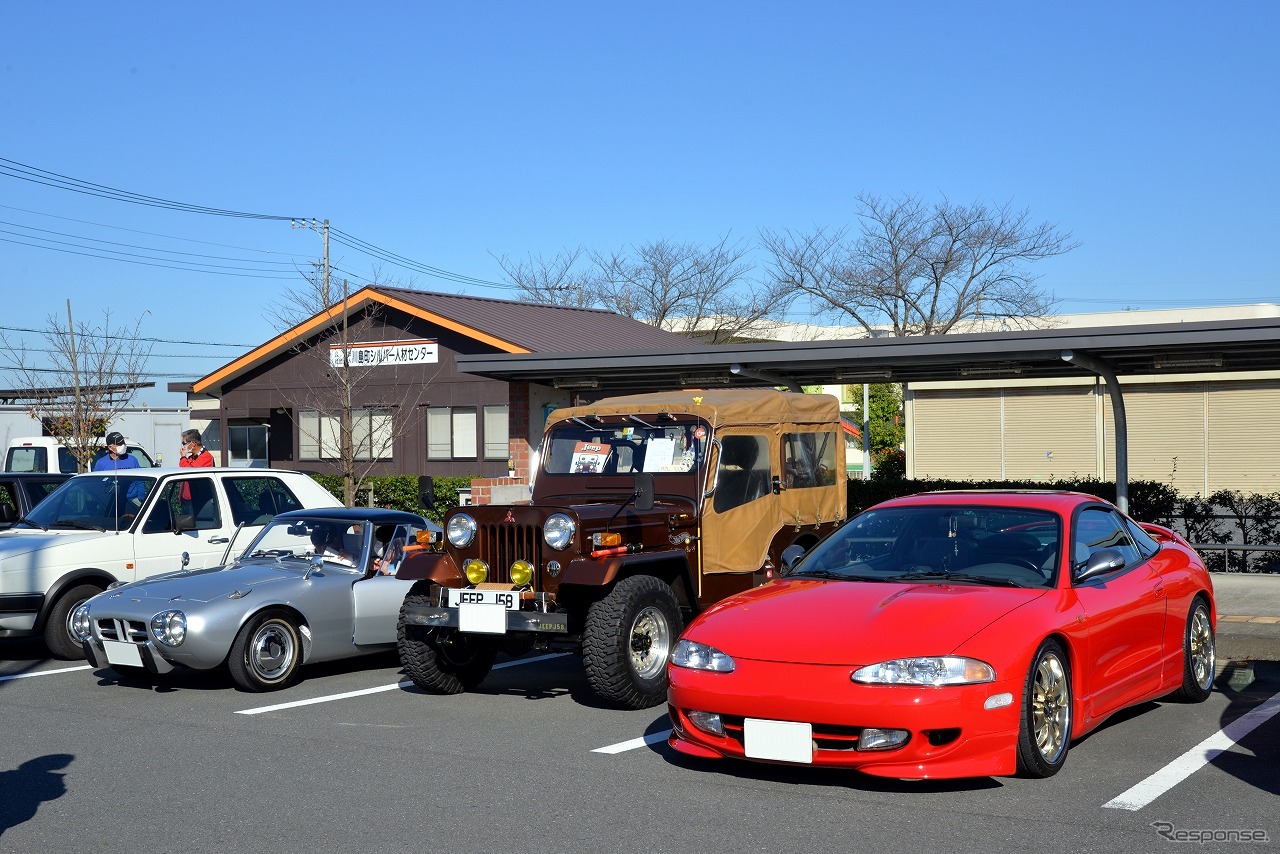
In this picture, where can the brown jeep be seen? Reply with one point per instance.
(644, 511)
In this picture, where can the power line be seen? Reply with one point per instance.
(245, 275)
(128, 337)
(24, 172)
(152, 233)
(129, 245)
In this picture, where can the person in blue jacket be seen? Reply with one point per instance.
(117, 455)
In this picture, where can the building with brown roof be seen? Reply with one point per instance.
(413, 411)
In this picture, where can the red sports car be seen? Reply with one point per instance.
(950, 634)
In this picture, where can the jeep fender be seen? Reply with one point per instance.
(99, 577)
(588, 572)
(437, 567)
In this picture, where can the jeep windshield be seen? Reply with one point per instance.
(97, 502)
(624, 445)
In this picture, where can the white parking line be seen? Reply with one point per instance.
(45, 672)
(405, 684)
(624, 746)
(1202, 754)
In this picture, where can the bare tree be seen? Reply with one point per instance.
(921, 269)
(341, 421)
(700, 291)
(554, 281)
(82, 379)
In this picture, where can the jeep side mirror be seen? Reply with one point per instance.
(644, 491)
(426, 492)
(1100, 563)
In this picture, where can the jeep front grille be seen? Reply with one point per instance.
(502, 543)
(129, 631)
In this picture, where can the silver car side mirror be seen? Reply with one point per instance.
(316, 563)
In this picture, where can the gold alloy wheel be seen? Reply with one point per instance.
(1051, 708)
(1201, 651)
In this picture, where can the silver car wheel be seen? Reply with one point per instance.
(272, 650)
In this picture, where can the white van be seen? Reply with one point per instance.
(46, 454)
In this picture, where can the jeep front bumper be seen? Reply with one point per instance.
(434, 616)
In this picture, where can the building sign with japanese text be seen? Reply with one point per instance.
(422, 351)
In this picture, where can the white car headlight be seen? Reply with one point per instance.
(699, 656)
(80, 623)
(169, 627)
(461, 530)
(558, 531)
(941, 670)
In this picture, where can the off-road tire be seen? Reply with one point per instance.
(442, 661)
(627, 641)
(57, 628)
(1198, 655)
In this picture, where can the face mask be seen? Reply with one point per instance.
(119, 450)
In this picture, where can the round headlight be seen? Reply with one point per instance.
(521, 573)
(476, 570)
(80, 622)
(558, 531)
(461, 530)
(169, 627)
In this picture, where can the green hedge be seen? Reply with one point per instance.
(400, 492)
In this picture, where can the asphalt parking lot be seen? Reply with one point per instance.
(352, 759)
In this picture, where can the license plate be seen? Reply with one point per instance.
(780, 741)
(124, 654)
(508, 599)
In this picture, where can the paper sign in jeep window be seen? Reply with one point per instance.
(624, 447)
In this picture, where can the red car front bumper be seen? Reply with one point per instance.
(952, 733)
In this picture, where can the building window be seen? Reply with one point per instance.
(452, 433)
(496, 446)
(320, 434)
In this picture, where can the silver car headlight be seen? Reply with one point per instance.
(169, 627)
(80, 623)
(461, 530)
(699, 656)
(558, 531)
(930, 671)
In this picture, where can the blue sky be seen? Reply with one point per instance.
(450, 133)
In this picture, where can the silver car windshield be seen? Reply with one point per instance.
(339, 542)
(97, 502)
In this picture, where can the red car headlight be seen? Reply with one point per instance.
(930, 671)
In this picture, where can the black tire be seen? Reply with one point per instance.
(266, 653)
(1198, 655)
(442, 661)
(1044, 732)
(58, 637)
(628, 639)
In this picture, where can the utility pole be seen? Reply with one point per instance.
(323, 229)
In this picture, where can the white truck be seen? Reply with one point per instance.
(122, 525)
(45, 454)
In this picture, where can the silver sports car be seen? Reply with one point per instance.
(314, 585)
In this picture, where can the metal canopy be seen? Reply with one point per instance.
(1198, 347)
(1251, 344)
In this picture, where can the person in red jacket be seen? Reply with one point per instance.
(192, 454)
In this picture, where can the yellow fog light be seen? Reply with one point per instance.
(476, 570)
(521, 573)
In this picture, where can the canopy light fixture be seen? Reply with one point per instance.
(999, 370)
(1164, 363)
(571, 382)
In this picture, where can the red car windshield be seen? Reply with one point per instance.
(1003, 546)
